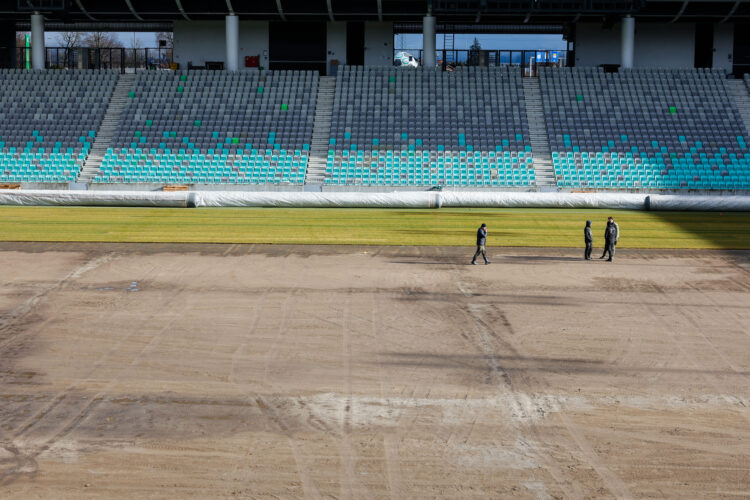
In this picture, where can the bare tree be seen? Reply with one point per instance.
(165, 55)
(133, 53)
(167, 36)
(134, 42)
(100, 40)
(21, 38)
(69, 40)
(22, 54)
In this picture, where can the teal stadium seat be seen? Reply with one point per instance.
(48, 122)
(386, 130)
(232, 129)
(654, 129)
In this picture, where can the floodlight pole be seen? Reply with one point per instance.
(627, 42)
(428, 41)
(37, 41)
(233, 43)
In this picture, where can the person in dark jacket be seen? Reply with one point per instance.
(588, 238)
(481, 241)
(610, 239)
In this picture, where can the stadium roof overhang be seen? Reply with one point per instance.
(162, 13)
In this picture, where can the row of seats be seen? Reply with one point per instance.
(663, 129)
(243, 166)
(48, 122)
(425, 127)
(423, 168)
(675, 129)
(215, 127)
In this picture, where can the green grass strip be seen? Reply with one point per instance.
(445, 227)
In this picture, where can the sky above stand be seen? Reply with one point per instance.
(488, 42)
(125, 39)
(403, 41)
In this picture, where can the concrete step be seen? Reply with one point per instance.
(738, 90)
(104, 135)
(543, 170)
(321, 131)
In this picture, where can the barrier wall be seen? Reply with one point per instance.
(420, 199)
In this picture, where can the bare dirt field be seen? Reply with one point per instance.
(165, 370)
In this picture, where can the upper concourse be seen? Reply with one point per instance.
(322, 34)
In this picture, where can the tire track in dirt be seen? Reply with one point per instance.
(611, 480)
(61, 429)
(270, 356)
(267, 408)
(521, 404)
(303, 469)
(79, 414)
(731, 314)
(393, 470)
(348, 479)
(23, 310)
(253, 326)
(658, 317)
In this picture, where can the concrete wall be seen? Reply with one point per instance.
(201, 41)
(723, 46)
(656, 45)
(336, 43)
(254, 41)
(664, 46)
(378, 44)
(595, 46)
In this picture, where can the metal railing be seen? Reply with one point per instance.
(125, 60)
(528, 60)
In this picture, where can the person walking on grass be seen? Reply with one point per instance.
(588, 238)
(481, 242)
(611, 235)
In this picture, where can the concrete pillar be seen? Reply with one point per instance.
(627, 43)
(38, 52)
(428, 41)
(233, 43)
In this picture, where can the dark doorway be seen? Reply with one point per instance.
(704, 45)
(8, 45)
(297, 46)
(355, 43)
(741, 49)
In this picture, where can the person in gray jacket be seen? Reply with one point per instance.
(611, 233)
(481, 241)
(588, 238)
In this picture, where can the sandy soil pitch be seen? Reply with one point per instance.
(270, 371)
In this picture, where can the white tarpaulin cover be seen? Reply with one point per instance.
(700, 203)
(542, 200)
(401, 199)
(418, 199)
(94, 198)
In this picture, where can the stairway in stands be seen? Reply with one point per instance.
(737, 89)
(543, 169)
(107, 129)
(316, 168)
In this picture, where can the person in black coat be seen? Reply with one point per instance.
(481, 241)
(588, 238)
(610, 239)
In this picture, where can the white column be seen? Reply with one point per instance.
(428, 41)
(233, 43)
(627, 42)
(38, 52)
